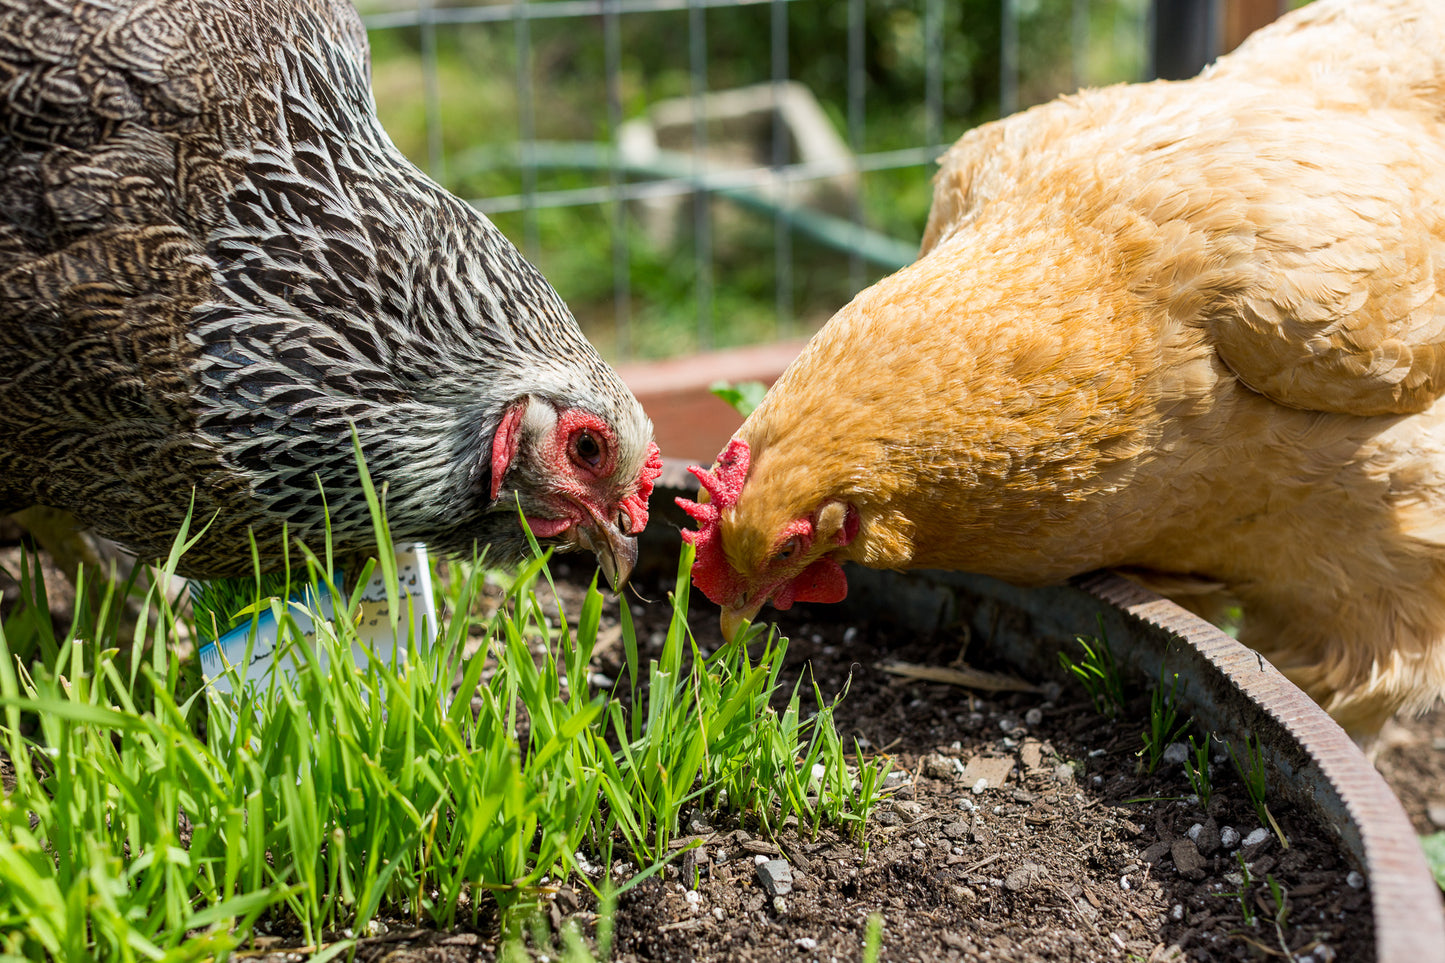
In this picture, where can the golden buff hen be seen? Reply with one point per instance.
(1193, 329)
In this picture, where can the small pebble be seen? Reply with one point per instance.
(1124, 883)
(850, 635)
(693, 897)
(1355, 880)
(908, 807)
(759, 860)
(1175, 753)
(776, 877)
(718, 914)
(966, 804)
(1023, 877)
(980, 786)
(806, 943)
(1187, 859)
(1207, 838)
(1176, 912)
(780, 905)
(1033, 717)
(1229, 837)
(1256, 837)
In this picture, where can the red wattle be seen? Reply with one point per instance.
(823, 581)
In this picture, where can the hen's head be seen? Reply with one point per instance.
(582, 480)
(745, 559)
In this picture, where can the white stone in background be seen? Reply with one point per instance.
(1033, 717)
(1229, 837)
(1175, 753)
(1194, 831)
(1256, 837)
(1355, 880)
(806, 943)
(739, 127)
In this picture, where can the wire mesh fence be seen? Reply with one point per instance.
(693, 174)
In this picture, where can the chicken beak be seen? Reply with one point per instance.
(616, 553)
(734, 617)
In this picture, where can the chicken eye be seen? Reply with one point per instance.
(786, 552)
(587, 448)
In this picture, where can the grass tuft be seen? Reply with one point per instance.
(152, 822)
(1097, 673)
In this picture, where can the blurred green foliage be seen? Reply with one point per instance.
(673, 300)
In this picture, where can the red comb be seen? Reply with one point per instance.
(636, 505)
(710, 569)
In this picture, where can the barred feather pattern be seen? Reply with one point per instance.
(214, 265)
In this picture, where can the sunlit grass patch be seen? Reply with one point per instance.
(153, 820)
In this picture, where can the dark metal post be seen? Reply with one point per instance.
(1185, 37)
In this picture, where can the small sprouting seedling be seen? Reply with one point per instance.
(873, 938)
(1196, 769)
(1256, 781)
(743, 395)
(1164, 722)
(1242, 894)
(1280, 896)
(1097, 673)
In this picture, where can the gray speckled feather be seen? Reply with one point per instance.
(213, 263)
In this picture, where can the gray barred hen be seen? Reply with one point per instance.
(214, 263)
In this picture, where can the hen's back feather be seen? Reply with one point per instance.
(1288, 200)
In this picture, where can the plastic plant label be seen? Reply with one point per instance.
(255, 655)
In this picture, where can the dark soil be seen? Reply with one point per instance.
(1018, 827)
